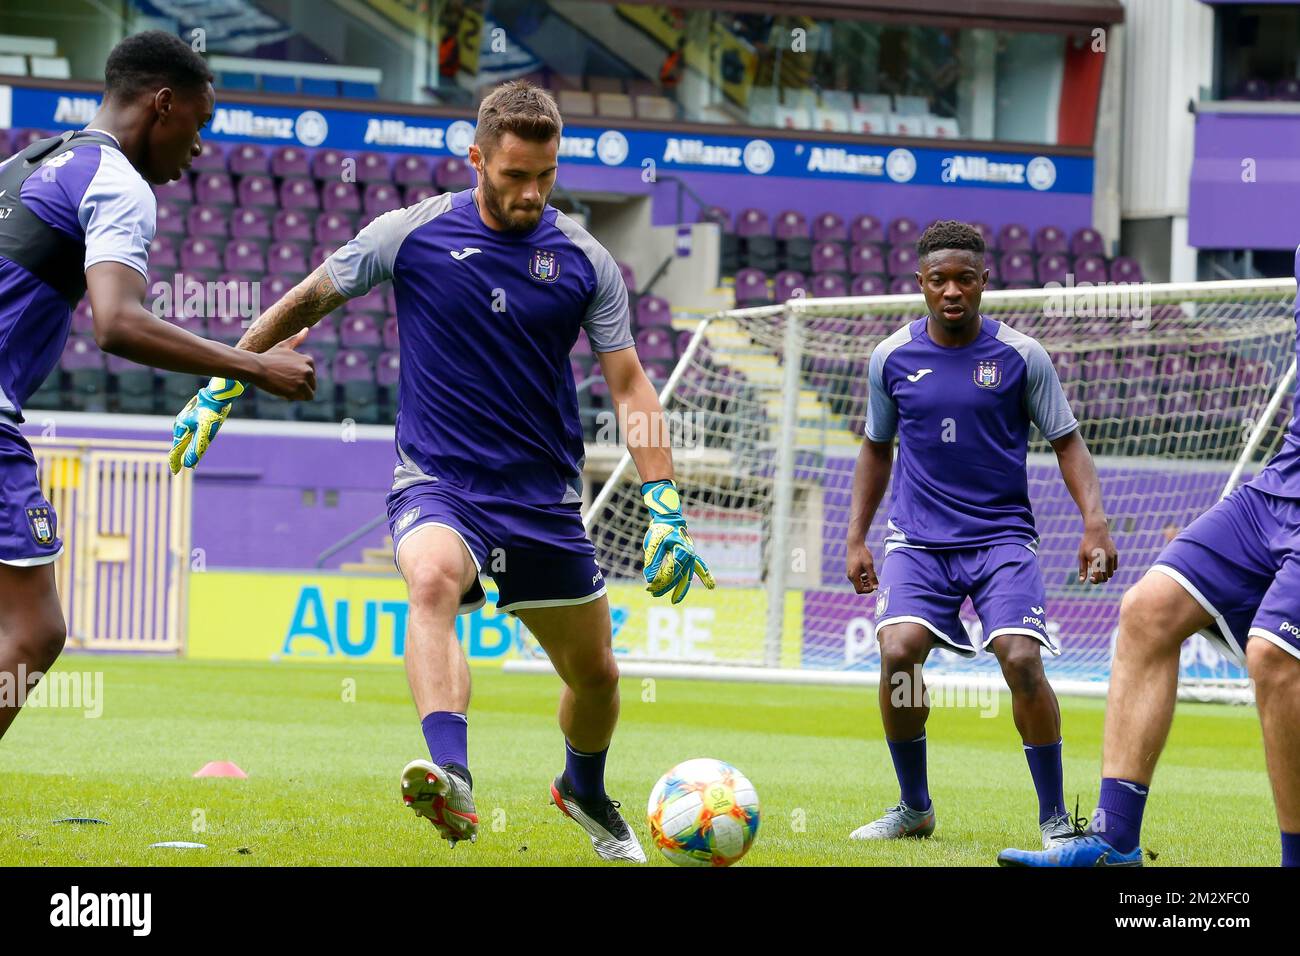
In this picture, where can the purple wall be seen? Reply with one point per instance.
(1245, 188)
(249, 507)
(885, 201)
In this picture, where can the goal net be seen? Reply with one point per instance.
(1174, 386)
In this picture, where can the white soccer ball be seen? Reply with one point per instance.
(703, 812)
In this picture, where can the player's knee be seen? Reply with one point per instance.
(1144, 617)
(44, 642)
(1273, 670)
(598, 676)
(1022, 667)
(901, 650)
(433, 585)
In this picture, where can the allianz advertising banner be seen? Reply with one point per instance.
(600, 146)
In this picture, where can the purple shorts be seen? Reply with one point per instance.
(1241, 562)
(538, 555)
(28, 525)
(928, 587)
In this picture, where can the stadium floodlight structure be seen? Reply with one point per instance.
(1180, 390)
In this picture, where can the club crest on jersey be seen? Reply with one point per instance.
(405, 520)
(988, 373)
(41, 522)
(882, 603)
(544, 266)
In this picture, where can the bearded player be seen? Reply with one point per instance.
(1233, 575)
(77, 215)
(493, 286)
(960, 391)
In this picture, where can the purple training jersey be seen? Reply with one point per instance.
(962, 418)
(92, 193)
(486, 320)
(1281, 477)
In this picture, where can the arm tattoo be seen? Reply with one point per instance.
(304, 305)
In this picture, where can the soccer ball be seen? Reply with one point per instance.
(703, 812)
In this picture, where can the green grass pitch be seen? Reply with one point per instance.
(322, 772)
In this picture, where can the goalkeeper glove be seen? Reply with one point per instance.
(200, 420)
(670, 558)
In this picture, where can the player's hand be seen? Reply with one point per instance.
(1098, 559)
(200, 420)
(287, 373)
(670, 559)
(861, 568)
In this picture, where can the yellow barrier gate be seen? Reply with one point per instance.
(125, 524)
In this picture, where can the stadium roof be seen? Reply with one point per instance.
(1047, 14)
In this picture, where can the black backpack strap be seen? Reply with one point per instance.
(50, 254)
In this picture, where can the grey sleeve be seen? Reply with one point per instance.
(608, 324)
(882, 413)
(368, 258)
(1045, 400)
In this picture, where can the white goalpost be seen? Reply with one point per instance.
(1181, 393)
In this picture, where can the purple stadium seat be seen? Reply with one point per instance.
(177, 192)
(1089, 269)
(653, 310)
(629, 276)
(83, 323)
(413, 169)
(324, 371)
(206, 221)
(995, 274)
(987, 232)
(227, 328)
(381, 198)
(1288, 89)
(320, 252)
(790, 224)
(325, 335)
(866, 228)
(867, 285)
(291, 224)
(162, 253)
(249, 158)
(751, 288)
(215, 189)
(170, 220)
(340, 196)
(1087, 242)
(658, 373)
(902, 261)
(200, 254)
(388, 369)
(352, 366)
(419, 193)
(1016, 268)
(903, 232)
(195, 324)
(20, 139)
(257, 189)
(753, 222)
(582, 347)
(453, 174)
(80, 353)
(829, 257)
(1125, 269)
(274, 288)
(903, 285)
(718, 215)
(830, 227)
(1254, 89)
(360, 331)
(211, 158)
(1053, 267)
(390, 333)
(790, 284)
(334, 227)
(865, 259)
(1014, 237)
(683, 339)
(372, 303)
(654, 344)
(244, 256)
(827, 285)
(373, 168)
(290, 162)
(327, 165)
(1050, 239)
(286, 257)
(250, 224)
(299, 194)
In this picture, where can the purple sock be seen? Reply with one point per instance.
(909, 766)
(1045, 768)
(1290, 849)
(1119, 813)
(585, 773)
(446, 734)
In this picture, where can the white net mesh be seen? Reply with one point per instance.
(1166, 392)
